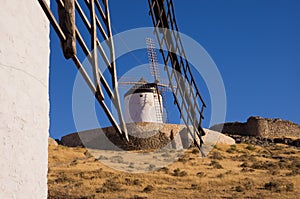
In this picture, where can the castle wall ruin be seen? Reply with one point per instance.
(258, 126)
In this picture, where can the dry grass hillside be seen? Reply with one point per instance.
(236, 171)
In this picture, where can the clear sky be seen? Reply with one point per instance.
(254, 43)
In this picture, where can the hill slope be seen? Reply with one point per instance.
(236, 171)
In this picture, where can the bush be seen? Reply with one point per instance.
(272, 186)
(294, 172)
(221, 175)
(245, 164)
(195, 151)
(109, 185)
(232, 149)
(296, 164)
(195, 187)
(216, 165)
(265, 165)
(200, 174)
(179, 173)
(279, 186)
(245, 169)
(129, 181)
(148, 188)
(139, 197)
(164, 169)
(216, 155)
(290, 187)
(248, 184)
(250, 147)
(239, 189)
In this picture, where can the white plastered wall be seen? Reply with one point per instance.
(141, 107)
(24, 104)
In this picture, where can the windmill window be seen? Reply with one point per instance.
(141, 95)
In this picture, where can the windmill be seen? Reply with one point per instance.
(144, 101)
(186, 93)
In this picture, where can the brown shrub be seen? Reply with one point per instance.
(239, 189)
(200, 174)
(250, 147)
(265, 165)
(216, 165)
(179, 173)
(232, 149)
(148, 188)
(164, 169)
(277, 186)
(109, 186)
(216, 155)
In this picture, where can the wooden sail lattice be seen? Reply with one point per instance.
(70, 36)
(181, 81)
(185, 91)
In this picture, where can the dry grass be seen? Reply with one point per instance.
(237, 171)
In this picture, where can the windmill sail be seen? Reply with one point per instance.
(187, 96)
(152, 58)
(67, 9)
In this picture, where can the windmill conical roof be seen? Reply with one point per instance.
(142, 86)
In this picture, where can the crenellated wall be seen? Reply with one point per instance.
(258, 126)
(231, 128)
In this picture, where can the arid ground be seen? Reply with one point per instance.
(229, 171)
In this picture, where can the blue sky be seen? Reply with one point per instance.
(254, 43)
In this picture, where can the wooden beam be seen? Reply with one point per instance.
(66, 15)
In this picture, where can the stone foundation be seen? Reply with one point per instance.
(142, 136)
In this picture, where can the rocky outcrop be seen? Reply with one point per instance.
(262, 141)
(263, 127)
(142, 136)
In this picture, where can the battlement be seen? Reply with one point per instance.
(258, 126)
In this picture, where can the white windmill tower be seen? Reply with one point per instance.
(143, 102)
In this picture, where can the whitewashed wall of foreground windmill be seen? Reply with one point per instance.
(143, 107)
(24, 107)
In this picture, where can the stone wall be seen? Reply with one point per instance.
(231, 128)
(142, 136)
(258, 126)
